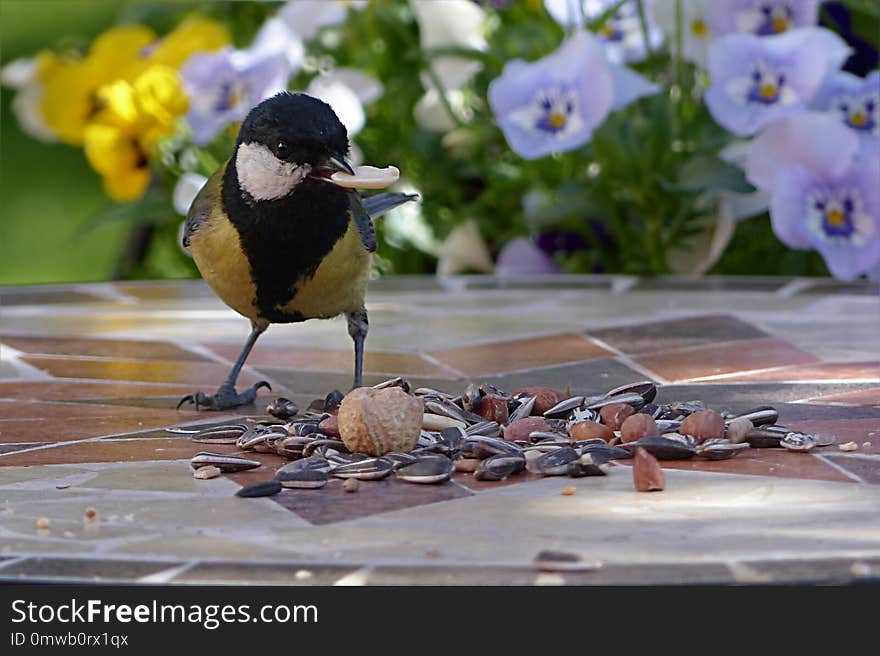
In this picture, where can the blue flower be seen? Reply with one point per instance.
(824, 195)
(554, 104)
(223, 86)
(761, 17)
(756, 80)
(855, 102)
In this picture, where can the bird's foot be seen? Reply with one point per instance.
(224, 398)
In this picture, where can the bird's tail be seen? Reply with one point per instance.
(379, 204)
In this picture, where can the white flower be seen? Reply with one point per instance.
(695, 34)
(464, 250)
(347, 90)
(447, 24)
(431, 114)
(23, 75)
(307, 17)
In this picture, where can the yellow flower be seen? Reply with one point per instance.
(119, 159)
(191, 36)
(121, 139)
(71, 97)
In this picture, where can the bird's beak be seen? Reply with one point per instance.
(339, 163)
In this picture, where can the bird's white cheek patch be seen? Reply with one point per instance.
(264, 176)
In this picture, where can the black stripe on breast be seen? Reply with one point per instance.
(285, 239)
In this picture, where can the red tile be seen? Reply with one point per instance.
(69, 390)
(127, 349)
(110, 451)
(860, 431)
(745, 355)
(765, 462)
(500, 357)
(205, 374)
(395, 364)
(660, 336)
(867, 397)
(824, 371)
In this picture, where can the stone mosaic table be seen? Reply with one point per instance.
(90, 375)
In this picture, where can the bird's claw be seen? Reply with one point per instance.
(225, 398)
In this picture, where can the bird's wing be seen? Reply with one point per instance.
(362, 221)
(378, 204)
(204, 203)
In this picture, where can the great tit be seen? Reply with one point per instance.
(276, 238)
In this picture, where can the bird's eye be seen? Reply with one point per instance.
(281, 149)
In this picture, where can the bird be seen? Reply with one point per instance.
(277, 239)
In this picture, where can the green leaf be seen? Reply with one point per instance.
(708, 172)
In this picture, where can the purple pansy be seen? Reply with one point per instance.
(824, 195)
(223, 86)
(756, 80)
(855, 102)
(761, 17)
(555, 103)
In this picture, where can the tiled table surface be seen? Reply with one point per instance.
(90, 376)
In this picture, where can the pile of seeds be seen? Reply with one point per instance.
(494, 434)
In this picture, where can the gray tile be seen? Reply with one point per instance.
(815, 571)
(76, 569)
(589, 377)
(331, 504)
(295, 573)
(737, 396)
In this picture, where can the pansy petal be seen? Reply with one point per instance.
(811, 140)
(788, 207)
(275, 36)
(520, 256)
(629, 86)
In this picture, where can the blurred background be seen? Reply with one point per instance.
(648, 181)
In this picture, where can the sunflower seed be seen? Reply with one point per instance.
(303, 479)
(565, 406)
(798, 442)
(282, 408)
(227, 434)
(646, 389)
(316, 463)
(471, 398)
(664, 448)
(720, 450)
(634, 400)
(587, 466)
(480, 447)
(398, 381)
(261, 489)
(223, 462)
(524, 409)
(760, 416)
(553, 463)
(499, 467)
(324, 444)
(371, 469)
(430, 469)
(762, 438)
(484, 428)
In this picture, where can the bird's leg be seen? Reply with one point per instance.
(226, 397)
(358, 325)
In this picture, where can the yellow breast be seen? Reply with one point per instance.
(339, 283)
(216, 249)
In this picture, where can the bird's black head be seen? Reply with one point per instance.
(285, 139)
